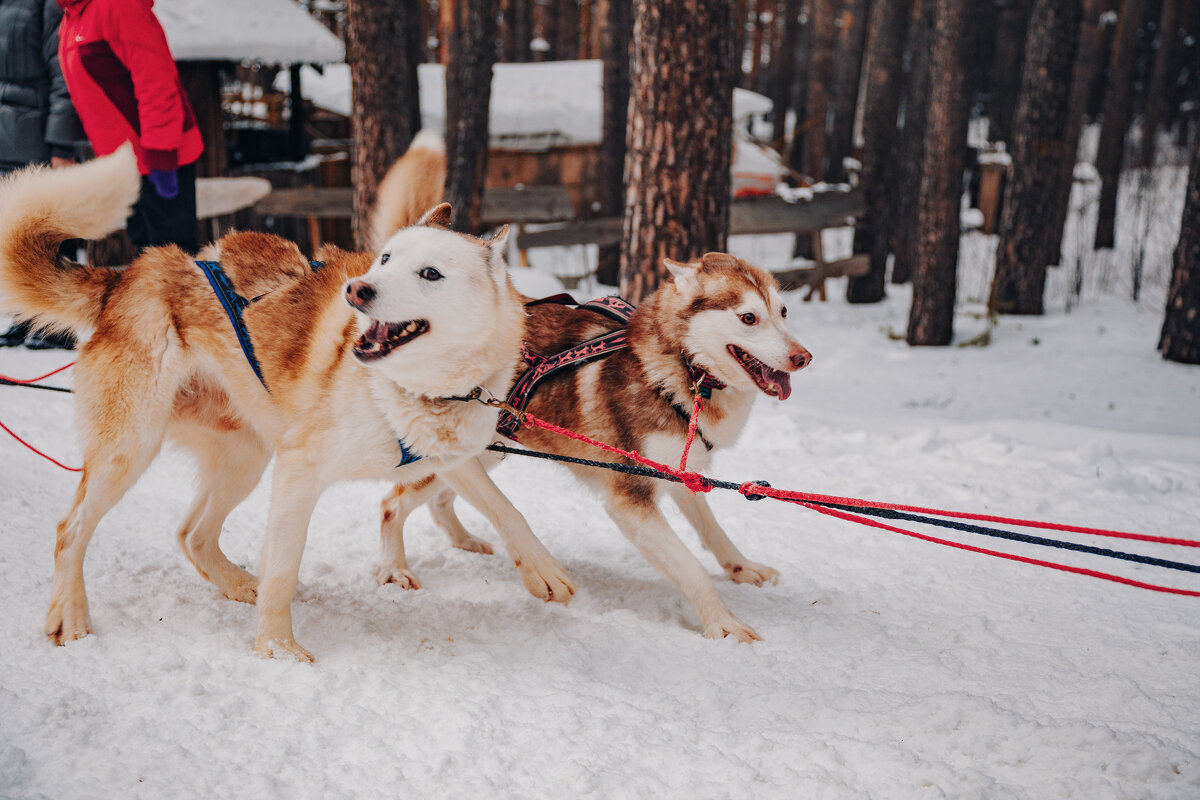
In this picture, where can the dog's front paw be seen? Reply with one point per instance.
(750, 572)
(547, 580)
(68, 620)
(397, 575)
(729, 625)
(276, 648)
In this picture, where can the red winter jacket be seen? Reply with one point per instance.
(124, 83)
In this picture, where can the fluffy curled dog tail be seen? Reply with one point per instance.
(39, 209)
(412, 186)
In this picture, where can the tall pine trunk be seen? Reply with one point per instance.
(1180, 338)
(851, 37)
(1156, 94)
(888, 21)
(784, 63)
(1039, 146)
(680, 137)
(906, 186)
(818, 94)
(383, 49)
(1007, 64)
(617, 30)
(472, 52)
(931, 317)
(1118, 107)
(1086, 62)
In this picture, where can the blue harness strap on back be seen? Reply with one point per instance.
(234, 304)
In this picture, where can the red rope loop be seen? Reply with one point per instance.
(20, 382)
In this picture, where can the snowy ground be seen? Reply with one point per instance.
(891, 668)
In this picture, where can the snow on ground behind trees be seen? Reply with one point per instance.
(890, 668)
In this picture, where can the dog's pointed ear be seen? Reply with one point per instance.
(497, 249)
(437, 217)
(684, 276)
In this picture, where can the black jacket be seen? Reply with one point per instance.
(36, 117)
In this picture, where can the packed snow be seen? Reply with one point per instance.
(890, 667)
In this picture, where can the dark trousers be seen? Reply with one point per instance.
(158, 221)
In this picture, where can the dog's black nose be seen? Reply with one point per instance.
(359, 293)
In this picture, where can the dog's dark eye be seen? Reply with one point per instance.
(749, 318)
(383, 259)
(430, 274)
(783, 312)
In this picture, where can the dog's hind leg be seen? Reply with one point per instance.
(231, 464)
(122, 420)
(632, 507)
(441, 508)
(396, 507)
(698, 513)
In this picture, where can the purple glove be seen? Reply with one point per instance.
(166, 182)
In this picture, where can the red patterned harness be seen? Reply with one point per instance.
(542, 367)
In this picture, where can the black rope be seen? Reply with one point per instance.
(650, 472)
(36, 386)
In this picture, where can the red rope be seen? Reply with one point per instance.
(35, 380)
(34, 449)
(698, 483)
(694, 481)
(693, 423)
(781, 494)
(1107, 576)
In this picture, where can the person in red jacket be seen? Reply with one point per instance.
(125, 87)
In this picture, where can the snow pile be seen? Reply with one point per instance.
(273, 31)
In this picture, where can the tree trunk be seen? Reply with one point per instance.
(1180, 338)
(931, 318)
(1006, 68)
(545, 17)
(784, 62)
(820, 82)
(1086, 62)
(616, 35)
(1118, 106)
(567, 48)
(888, 21)
(852, 35)
(522, 24)
(906, 187)
(1039, 147)
(383, 49)
(1156, 94)
(680, 138)
(472, 46)
(758, 33)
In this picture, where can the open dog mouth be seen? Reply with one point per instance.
(381, 338)
(773, 382)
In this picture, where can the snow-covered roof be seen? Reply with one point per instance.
(273, 31)
(533, 105)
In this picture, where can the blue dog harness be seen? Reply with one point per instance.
(234, 304)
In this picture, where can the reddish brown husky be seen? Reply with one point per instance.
(717, 315)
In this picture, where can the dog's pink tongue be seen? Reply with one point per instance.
(780, 380)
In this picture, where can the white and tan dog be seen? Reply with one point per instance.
(356, 357)
(717, 313)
